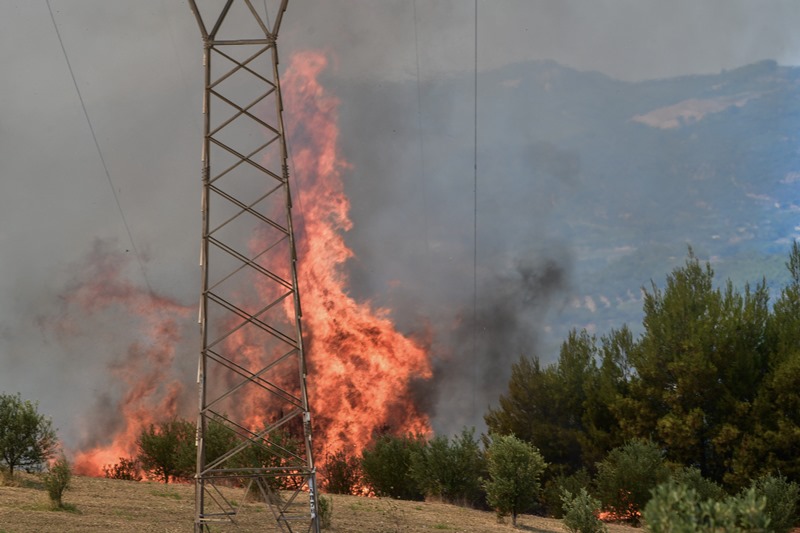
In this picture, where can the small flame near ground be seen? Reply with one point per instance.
(361, 369)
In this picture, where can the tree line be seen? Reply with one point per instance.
(713, 380)
(696, 419)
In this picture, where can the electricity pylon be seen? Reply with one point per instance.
(254, 425)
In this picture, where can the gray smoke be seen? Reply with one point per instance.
(412, 199)
(418, 218)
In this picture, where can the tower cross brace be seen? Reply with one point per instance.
(253, 423)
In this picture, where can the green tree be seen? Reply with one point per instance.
(578, 399)
(580, 512)
(538, 409)
(568, 409)
(605, 391)
(167, 451)
(675, 379)
(515, 468)
(450, 469)
(528, 410)
(627, 475)
(387, 466)
(784, 327)
(772, 443)
(27, 438)
(697, 368)
(219, 439)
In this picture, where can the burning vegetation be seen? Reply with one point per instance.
(361, 368)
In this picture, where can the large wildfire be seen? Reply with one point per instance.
(361, 369)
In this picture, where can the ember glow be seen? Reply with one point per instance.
(361, 369)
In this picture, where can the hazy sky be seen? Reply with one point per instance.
(137, 65)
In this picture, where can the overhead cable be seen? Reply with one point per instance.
(99, 151)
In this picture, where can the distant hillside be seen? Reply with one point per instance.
(587, 188)
(620, 176)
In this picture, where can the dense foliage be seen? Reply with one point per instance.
(387, 466)
(167, 451)
(782, 499)
(27, 438)
(677, 508)
(341, 474)
(515, 468)
(450, 470)
(579, 512)
(627, 475)
(713, 380)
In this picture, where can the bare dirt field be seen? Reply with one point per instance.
(107, 505)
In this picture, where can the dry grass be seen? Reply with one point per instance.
(105, 505)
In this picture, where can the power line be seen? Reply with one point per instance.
(475, 222)
(99, 151)
(423, 176)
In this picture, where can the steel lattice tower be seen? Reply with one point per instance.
(254, 427)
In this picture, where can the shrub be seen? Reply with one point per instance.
(56, 480)
(706, 488)
(450, 469)
(627, 475)
(676, 508)
(127, 469)
(324, 511)
(555, 487)
(781, 501)
(386, 466)
(514, 468)
(341, 474)
(580, 513)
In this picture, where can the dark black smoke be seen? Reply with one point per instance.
(474, 361)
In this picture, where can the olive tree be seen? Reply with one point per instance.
(515, 468)
(167, 450)
(27, 438)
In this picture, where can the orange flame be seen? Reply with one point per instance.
(361, 367)
(149, 395)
